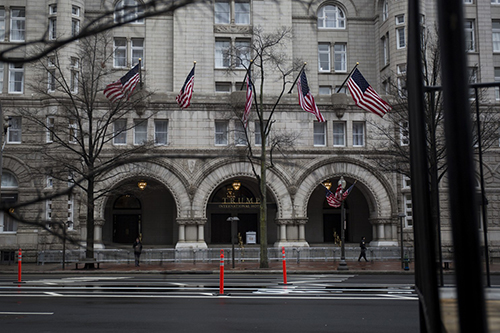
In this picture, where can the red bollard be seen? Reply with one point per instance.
(284, 265)
(221, 277)
(19, 265)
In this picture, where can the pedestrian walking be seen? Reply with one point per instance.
(137, 251)
(362, 245)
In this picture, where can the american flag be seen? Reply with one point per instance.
(184, 97)
(124, 87)
(248, 103)
(348, 191)
(334, 200)
(306, 99)
(365, 96)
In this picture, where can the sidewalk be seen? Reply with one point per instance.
(292, 267)
(325, 267)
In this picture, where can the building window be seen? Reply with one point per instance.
(128, 11)
(137, 51)
(401, 72)
(75, 11)
(470, 44)
(385, 10)
(223, 12)
(258, 137)
(385, 49)
(223, 87)
(338, 134)
(17, 24)
(2, 24)
(400, 19)
(14, 130)
(497, 79)
(495, 2)
(161, 131)
(242, 53)
(222, 57)
(75, 65)
(341, 90)
(75, 27)
(51, 72)
(70, 212)
(16, 78)
(472, 72)
(325, 90)
(400, 38)
(358, 134)
(52, 28)
(331, 17)
(495, 30)
(50, 123)
(240, 137)
(221, 132)
(408, 211)
(406, 182)
(324, 57)
(48, 212)
(140, 131)
(73, 131)
(9, 182)
(120, 53)
(404, 133)
(340, 57)
(319, 134)
(120, 132)
(7, 224)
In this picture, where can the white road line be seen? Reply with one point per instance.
(50, 293)
(247, 297)
(28, 313)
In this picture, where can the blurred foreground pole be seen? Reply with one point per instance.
(458, 134)
(425, 245)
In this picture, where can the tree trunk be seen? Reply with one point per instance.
(89, 253)
(263, 208)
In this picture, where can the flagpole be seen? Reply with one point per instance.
(348, 76)
(246, 74)
(301, 70)
(140, 73)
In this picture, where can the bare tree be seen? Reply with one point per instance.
(268, 61)
(83, 125)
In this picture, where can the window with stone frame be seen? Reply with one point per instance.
(232, 12)
(221, 131)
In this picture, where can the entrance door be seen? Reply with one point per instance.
(125, 228)
(248, 222)
(331, 227)
(221, 228)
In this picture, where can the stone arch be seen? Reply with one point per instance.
(164, 175)
(377, 190)
(19, 169)
(240, 169)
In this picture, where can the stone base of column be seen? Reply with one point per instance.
(291, 244)
(191, 245)
(383, 243)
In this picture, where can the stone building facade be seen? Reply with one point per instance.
(189, 191)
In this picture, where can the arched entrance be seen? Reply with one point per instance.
(149, 211)
(237, 198)
(126, 219)
(324, 222)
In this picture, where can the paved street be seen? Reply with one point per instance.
(183, 297)
(186, 303)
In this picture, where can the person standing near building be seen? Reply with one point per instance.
(137, 251)
(362, 245)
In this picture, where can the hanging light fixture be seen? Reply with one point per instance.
(236, 185)
(142, 184)
(328, 184)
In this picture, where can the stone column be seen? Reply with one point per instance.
(383, 232)
(98, 223)
(292, 232)
(191, 233)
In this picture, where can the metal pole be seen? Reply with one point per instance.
(463, 208)
(483, 195)
(401, 217)
(342, 263)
